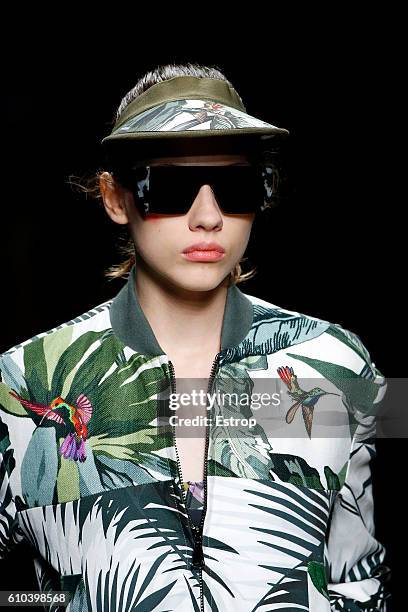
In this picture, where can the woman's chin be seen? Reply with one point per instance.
(200, 278)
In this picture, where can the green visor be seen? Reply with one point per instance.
(192, 108)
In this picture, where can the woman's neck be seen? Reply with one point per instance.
(189, 320)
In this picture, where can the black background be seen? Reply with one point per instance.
(335, 250)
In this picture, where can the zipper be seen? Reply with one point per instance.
(197, 559)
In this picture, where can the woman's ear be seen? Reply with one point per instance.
(114, 198)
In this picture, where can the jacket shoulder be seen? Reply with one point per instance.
(332, 338)
(29, 369)
(94, 319)
(261, 305)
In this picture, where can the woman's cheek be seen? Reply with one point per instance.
(154, 218)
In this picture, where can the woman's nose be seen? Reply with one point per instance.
(206, 196)
(205, 210)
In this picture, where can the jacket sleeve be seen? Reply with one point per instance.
(354, 558)
(10, 535)
(8, 512)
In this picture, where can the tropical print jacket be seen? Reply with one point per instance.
(92, 482)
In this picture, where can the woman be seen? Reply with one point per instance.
(125, 505)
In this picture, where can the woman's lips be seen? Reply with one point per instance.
(204, 251)
(203, 255)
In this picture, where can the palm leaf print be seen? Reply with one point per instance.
(277, 529)
(9, 403)
(305, 513)
(273, 330)
(294, 469)
(350, 339)
(241, 450)
(11, 374)
(9, 530)
(130, 521)
(318, 576)
(88, 372)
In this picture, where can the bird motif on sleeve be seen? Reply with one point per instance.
(306, 399)
(73, 417)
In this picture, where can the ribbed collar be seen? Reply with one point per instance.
(130, 324)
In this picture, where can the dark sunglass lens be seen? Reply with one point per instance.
(172, 189)
(238, 189)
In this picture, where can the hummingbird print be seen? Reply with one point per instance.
(76, 419)
(306, 399)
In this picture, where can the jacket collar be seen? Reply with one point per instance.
(131, 326)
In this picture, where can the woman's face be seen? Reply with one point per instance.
(161, 239)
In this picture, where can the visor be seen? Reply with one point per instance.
(189, 107)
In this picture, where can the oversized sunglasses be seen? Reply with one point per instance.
(171, 190)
